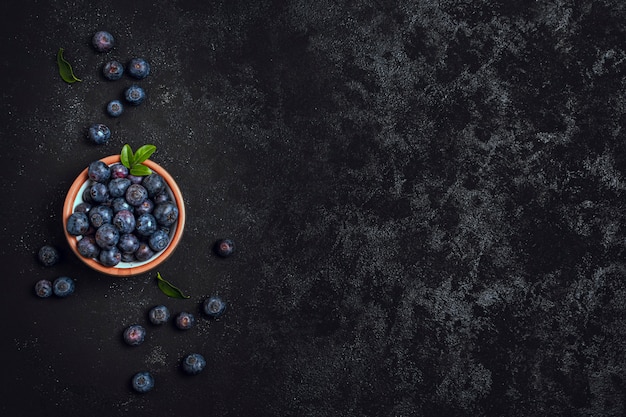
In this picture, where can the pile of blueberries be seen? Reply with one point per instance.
(137, 68)
(122, 218)
(193, 363)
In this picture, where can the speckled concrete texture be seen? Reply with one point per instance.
(426, 196)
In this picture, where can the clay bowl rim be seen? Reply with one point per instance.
(68, 208)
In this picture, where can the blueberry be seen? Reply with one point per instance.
(128, 257)
(136, 194)
(118, 204)
(107, 236)
(99, 192)
(43, 288)
(143, 252)
(48, 255)
(154, 184)
(135, 179)
(110, 257)
(124, 221)
(100, 215)
(88, 247)
(99, 133)
(103, 41)
(83, 207)
(115, 108)
(138, 68)
(98, 171)
(87, 195)
(146, 224)
(118, 171)
(113, 70)
(142, 382)
(161, 198)
(63, 286)
(134, 335)
(146, 207)
(214, 307)
(118, 186)
(159, 240)
(128, 243)
(166, 213)
(159, 314)
(77, 224)
(224, 247)
(193, 363)
(135, 95)
(185, 321)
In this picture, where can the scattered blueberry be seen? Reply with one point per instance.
(63, 286)
(159, 240)
(138, 68)
(134, 335)
(115, 108)
(103, 41)
(146, 224)
(77, 224)
(107, 236)
(99, 133)
(214, 307)
(113, 70)
(98, 171)
(118, 186)
(48, 255)
(43, 288)
(135, 95)
(166, 213)
(185, 321)
(143, 252)
(88, 247)
(224, 247)
(193, 364)
(136, 194)
(128, 243)
(154, 184)
(100, 215)
(142, 382)
(159, 314)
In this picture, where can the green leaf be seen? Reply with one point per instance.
(144, 153)
(65, 69)
(140, 170)
(126, 156)
(169, 289)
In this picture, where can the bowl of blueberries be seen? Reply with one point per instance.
(123, 221)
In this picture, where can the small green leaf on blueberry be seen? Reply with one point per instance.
(134, 161)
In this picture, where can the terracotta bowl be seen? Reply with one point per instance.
(123, 269)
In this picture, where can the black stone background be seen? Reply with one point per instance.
(427, 198)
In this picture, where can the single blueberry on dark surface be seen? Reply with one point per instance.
(136, 194)
(118, 204)
(103, 41)
(146, 224)
(99, 134)
(143, 252)
(159, 314)
(115, 108)
(43, 288)
(138, 68)
(166, 213)
(107, 236)
(128, 243)
(193, 363)
(224, 247)
(110, 257)
(118, 171)
(154, 184)
(98, 171)
(142, 382)
(48, 255)
(118, 186)
(124, 221)
(134, 335)
(146, 207)
(135, 95)
(77, 224)
(113, 70)
(63, 286)
(88, 247)
(99, 192)
(185, 321)
(100, 215)
(159, 240)
(214, 306)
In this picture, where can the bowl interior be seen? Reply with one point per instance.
(75, 197)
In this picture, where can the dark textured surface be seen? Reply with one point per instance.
(427, 198)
